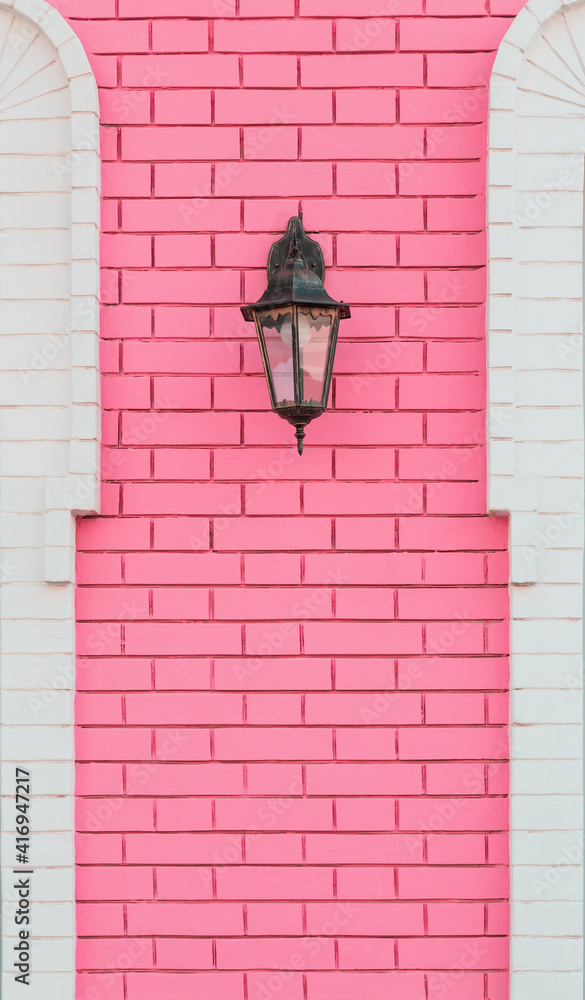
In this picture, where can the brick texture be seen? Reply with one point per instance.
(292, 672)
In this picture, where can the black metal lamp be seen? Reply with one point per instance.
(297, 324)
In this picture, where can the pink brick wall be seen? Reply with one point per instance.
(292, 672)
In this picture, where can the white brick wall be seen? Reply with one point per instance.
(49, 452)
(536, 472)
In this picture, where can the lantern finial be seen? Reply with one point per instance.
(300, 436)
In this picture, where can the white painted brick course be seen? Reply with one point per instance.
(46, 371)
(536, 190)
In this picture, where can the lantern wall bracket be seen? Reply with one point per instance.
(309, 249)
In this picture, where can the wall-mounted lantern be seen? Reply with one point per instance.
(297, 324)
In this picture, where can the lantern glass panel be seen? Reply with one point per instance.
(315, 331)
(276, 330)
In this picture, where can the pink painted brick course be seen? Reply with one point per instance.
(274, 712)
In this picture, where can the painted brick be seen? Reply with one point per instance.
(180, 71)
(349, 8)
(346, 709)
(345, 637)
(264, 709)
(179, 498)
(178, 639)
(379, 498)
(176, 251)
(460, 69)
(126, 322)
(365, 533)
(178, 286)
(442, 250)
(452, 34)
(180, 36)
(430, 178)
(444, 744)
(288, 534)
(274, 883)
(296, 614)
(481, 883)
(459, 215)
(361, 70)
(366, 251)
(192, 568)
(461, 392)
(273, 674)
(271, 36)
(114, 36)
(375, 178)
(375, 35)
(340, 142)
(445, 603)
(192, 917)
(270, 71)
(259, 744)
(443, 107)
(469, 533)
(273, 107)
(264, 463)
(350, 215)
(299, 179)
(182, 107)
(181, 358)
(129, 106)
(177, 215)
(182, 429)
(165, 143)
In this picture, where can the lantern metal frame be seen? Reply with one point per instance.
(296, 272)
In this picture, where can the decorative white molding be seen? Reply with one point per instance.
(536, 472)
(49, 453)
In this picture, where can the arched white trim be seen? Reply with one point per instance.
(49, 454)
(536, 472)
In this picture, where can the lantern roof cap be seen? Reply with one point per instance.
(296, 271)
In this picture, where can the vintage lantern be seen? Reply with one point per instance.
(297, 324)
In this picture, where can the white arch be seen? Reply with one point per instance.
(49, 452)
(535, 472)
